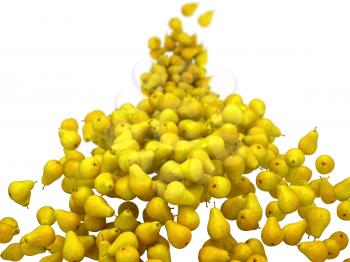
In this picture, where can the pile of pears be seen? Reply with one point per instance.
(179, 147)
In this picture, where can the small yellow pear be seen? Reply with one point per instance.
(272, 234)
(53, 170)
(293, 233)
(46, 215)
(177, 194)
(127, 254)
(178, 235)
(97, 206)
(67, 221)
(317, 220)
(73, 249)
(157, 209)
(213, 254)
(126, 221)
(20, 191)
(342, 189)
(232, 206)
(188, 217)
(12, 252)
(42, 236)
(288, 201)
(327, 193)
(341, 238)
(316, 251)
(308, 143)
(124, 239)
(148, 232)
(159, 252)
(140, 183)
(218, 227)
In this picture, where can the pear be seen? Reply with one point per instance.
(270, 128)
(293, 233)
(42, 236)
(177, 194)
(315, 185)
(272, 234)
(126, 221)
(288, 201)
(122, 189)
(148, 232)
(6, 232)
(317, 220)
(343, 210)
(87, 241)
(73, 249)
(256, 258)
(215, 147)
(160, 252)
(233, 114)
(46, 215)
(140, 183)
(89, 168)
(170, 171)
(219, 186)
(241, 252)
(11, 222)
(53, 170)
(333, 248)
(267, 180)
(341, 238)
(253, 204)
(273, 210)
(97, 206)
(178, 235)
(104, 183)
(127, 254)
(305, 193)
(124, 239)
(12, 252)
(256, 246)
(157, 209)
(213, 254)
(308, 143)
(342, 190)
(247, 220)
(208, 166)
(232, 206)
(234, 166)
(327, 191)
(146, 160)
(218, 227)
(67, 221)
(315, 251)
(20, 191)
(188, 217)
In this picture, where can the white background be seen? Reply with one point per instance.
(63, 59)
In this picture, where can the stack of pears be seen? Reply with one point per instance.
(179, 147)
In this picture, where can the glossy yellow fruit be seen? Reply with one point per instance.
(46, 215)
(205, 19)
(189, 9)
(213, 254)
(12, 252)
(73, 249)
(127, 254)
(272, 234)
(97, 206)
(324, 164)
(343, 210)
(53, 170)
(20, 191)
(179, 236)
(315, 250)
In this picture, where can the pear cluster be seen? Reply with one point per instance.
(180, 147)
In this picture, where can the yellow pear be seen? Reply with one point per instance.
(304, 211)
(6, 232)
(247, 220)
(178, 235)
(30, 250)
(127, 254)
(308, 143)
(12, 252)
(273, 210)
(293, 233)
(177, 194)
(170, 171)
(11, 222)
(253, 204)
(315, 251)
(20, 191)
(126, 221)
(104, 183)
(256, 246)
(317, 220)
(343, 210)
(109, 234)
(53, 170)
(192, 169)
(188, 217)
(46, 215)
(241, 252)
(219, 186)
(159, 252)
(327, 193)
(234, 167)
(57, 257)
(103, 256)
(97, 206)
(272, 234)
(341, 238)
(140, 183)
(342, 189)
(288, 201)
(57, 245)
(148, 232)
(213, 254)
(256, 258)
(42, 236)
(67, 221)
(157, 209)
(218, 227)
(73, 249)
